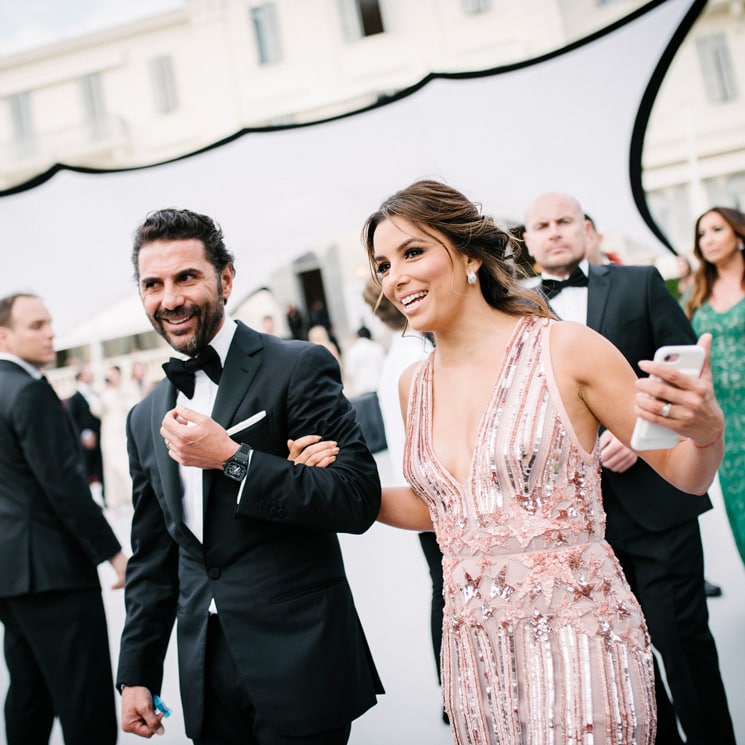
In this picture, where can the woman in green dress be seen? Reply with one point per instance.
(716, 303)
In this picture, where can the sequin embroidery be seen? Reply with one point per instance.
(543, 642)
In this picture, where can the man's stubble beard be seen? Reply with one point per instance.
(207, 321)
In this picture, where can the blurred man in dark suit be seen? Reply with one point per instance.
(84, 408)
(52, 537)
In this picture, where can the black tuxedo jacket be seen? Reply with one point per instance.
(272, 562)
(632, 307)
(84, 418)
(52, 534)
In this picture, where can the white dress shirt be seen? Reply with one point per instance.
(34, 372)
(571, 303)
(205, 392)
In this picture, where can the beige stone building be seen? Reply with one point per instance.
(145, 90)
(151, 89)
(694, 152)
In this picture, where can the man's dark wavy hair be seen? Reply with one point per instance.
(173, 225)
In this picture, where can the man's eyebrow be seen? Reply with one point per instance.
(179, 273)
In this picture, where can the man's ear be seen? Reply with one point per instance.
(588, 231)
(526, 243)
(226, 277)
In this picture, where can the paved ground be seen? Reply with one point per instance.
(389, 577)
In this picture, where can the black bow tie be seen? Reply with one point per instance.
(181, 372)
(552, 287)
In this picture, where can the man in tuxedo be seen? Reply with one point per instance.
(230, 537)
(84, 408)
(52, 537)
(652, 527)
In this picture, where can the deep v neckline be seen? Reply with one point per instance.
(429, 380)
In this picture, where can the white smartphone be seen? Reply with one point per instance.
(688, 358)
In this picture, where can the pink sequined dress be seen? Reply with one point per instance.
(543, 642)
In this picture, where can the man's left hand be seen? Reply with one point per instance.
(614, 455)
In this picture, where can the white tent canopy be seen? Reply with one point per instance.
(571, 122)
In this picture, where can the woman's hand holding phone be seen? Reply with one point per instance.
(689, 360)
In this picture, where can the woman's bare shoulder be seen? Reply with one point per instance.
(581, 350)
(404, 382)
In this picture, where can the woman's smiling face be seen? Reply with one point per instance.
(420, 272)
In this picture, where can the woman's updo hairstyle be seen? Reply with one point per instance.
(439, 210)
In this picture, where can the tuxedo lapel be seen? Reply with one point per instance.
(240, 368)
(241, 365)
(598, 292)
(164, 399)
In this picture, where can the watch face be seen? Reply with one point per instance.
(235, 471)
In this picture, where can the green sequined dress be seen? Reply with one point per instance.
(728, 369)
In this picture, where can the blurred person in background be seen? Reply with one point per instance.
(715, 303)
(53, 536)
(85, 409)
(595, 253)
(406, 347)
(318, 334)
(139, 380)
(363, 362)
(296, 323)
(117, 398)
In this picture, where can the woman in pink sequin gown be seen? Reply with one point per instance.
(543, 641)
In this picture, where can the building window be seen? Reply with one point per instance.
(266, 31)
(471, 7)
(163, 80)
(716, 67)
(361, 18)
(23, 125)
(727, 189)
(94, 106)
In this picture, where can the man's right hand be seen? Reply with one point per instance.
(88, 439)
(138, 714)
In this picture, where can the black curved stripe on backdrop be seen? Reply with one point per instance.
(637, 134)
(644, 113)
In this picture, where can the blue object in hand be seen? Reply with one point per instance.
(159, 705)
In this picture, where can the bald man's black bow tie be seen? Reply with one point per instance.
(181, 372)
(552, 287)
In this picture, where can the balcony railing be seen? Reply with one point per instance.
(69, 145)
